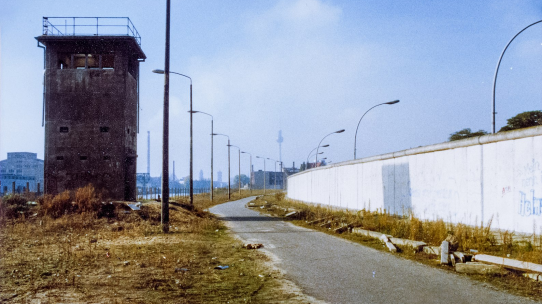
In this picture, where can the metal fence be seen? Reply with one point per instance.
(90, 26)
(13, 188)
(155, 192)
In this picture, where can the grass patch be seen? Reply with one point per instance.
(70, 248)
(481, 238)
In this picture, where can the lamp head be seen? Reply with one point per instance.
(392, 102)
(157, 71)
(340, 131)
(192, 111)
(324, 146)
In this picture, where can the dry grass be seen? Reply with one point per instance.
(481, 238)
(77, 253)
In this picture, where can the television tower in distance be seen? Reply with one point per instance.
(280, 139)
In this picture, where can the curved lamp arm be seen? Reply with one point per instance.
(356, 135)
(157, 71)
(320, 143)
(497, 71)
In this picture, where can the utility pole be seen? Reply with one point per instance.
(165, 136)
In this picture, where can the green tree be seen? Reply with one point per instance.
(465, 133)
(244, 180)
(523, 120)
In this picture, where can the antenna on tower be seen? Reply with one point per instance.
(280, 139)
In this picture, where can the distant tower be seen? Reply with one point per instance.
(280, 139)
(149, 153)
(173, 177)
(201, 175)
(219, 179)
(91, 106)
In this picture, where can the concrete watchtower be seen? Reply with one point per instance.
(91, 104)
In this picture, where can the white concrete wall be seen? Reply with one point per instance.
(495, 178)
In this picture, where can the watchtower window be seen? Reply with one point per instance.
(64, 129)
(93, 61)
(108, 61)
(104, 129)
(64, 61)
(83, 157)
(60, 158)
(86, 61)
(80, 61)
(106, 157)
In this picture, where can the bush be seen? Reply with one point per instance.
(58, 205)
(87, 200)
(13, 206)
(280, 196)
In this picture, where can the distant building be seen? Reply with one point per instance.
(201, 175)
(272, 179)
(21, 168)
(218, 183)
(290, 171)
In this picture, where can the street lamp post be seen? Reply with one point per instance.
(263, 172)
(274, 173)
(212, 119)
(497, 71)
(239, 175)
(319, 145)
(191, 148)
(315, 161)
(250, 171)
(281, 177)
(310, 153)
(229, 176)
(356, 136)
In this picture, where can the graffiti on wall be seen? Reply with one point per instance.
(530, 177)
(529, 205)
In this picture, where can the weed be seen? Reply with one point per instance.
(279, 196)
(56, 206)
(13, 206)
(87, 199)
(433, 232)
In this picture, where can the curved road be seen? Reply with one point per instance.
(339, 271)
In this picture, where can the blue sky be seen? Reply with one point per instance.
(306, 67)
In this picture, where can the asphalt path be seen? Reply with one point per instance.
(335, 270)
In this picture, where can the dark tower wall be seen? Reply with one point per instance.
(91, 108)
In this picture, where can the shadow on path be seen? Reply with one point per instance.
(250, 219)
